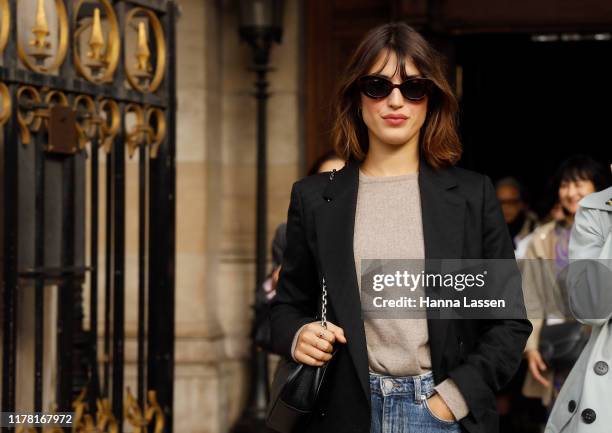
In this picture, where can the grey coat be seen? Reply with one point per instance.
(585, 401)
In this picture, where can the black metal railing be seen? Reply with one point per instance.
(60, 122)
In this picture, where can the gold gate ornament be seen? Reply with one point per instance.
(40, 46)
(139, 76)
(139, 420)
(5, 24)
(103, 52)
(6, 105)
(83, 421)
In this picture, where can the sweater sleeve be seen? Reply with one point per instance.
(453, 398)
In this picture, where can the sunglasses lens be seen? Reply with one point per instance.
(376, 87)
(415, 89)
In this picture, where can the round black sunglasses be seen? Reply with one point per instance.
(413, 89)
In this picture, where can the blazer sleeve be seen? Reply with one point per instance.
(495, 358)
(297, 289)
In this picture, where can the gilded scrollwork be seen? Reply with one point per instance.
(140, 418)
(88, 120)
(149, 128)
(140, 132)
(156, 120)
(105, 421)
(5, 104)
(28, 112)
(111, 124)
(5, 23)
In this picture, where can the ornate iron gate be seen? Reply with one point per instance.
(85, 85)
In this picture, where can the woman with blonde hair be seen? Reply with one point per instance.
(398, 197)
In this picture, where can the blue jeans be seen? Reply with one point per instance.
(399, 405)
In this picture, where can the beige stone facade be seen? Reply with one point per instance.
(216, 162)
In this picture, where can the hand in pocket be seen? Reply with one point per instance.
(439, 409)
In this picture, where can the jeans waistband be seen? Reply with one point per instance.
(421, 386)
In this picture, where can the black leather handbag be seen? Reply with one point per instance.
(561, 344)
(296, 387)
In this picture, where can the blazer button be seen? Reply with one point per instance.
(588, 416)
(601, 368)
(322, 414)
(571, 406)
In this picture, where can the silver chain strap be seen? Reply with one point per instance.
(324, 286)
(324, 305)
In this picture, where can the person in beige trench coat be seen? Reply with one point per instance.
(544, 271)
(541, 289)
(585, 401)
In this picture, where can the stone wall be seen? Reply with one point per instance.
(216, 202)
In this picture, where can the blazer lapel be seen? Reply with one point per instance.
(443, 214)
(335, 223)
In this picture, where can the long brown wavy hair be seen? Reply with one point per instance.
(438, 140)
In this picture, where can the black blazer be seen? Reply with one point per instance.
(461, 219)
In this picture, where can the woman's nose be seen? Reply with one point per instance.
(395, 99)
(572, 190)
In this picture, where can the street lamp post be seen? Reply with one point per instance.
(260, 27)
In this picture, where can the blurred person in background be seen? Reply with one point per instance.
(584, 402)
(521, 221)
(544, 271)
(517, 413)
(327, 162)
(554, 214)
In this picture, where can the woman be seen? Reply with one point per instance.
(584, 402)
(544, 271)
(394, 125)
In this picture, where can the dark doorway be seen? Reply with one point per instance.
(527, 105)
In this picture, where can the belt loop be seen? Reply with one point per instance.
(417, 389)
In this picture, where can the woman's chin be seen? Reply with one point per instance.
(571, 209)
(395, 140)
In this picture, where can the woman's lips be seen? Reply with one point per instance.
(394, 121)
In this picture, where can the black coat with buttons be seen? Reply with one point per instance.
(461, 219)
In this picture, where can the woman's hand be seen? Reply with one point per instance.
(536, 365)
(439, 409)
(315, 343)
